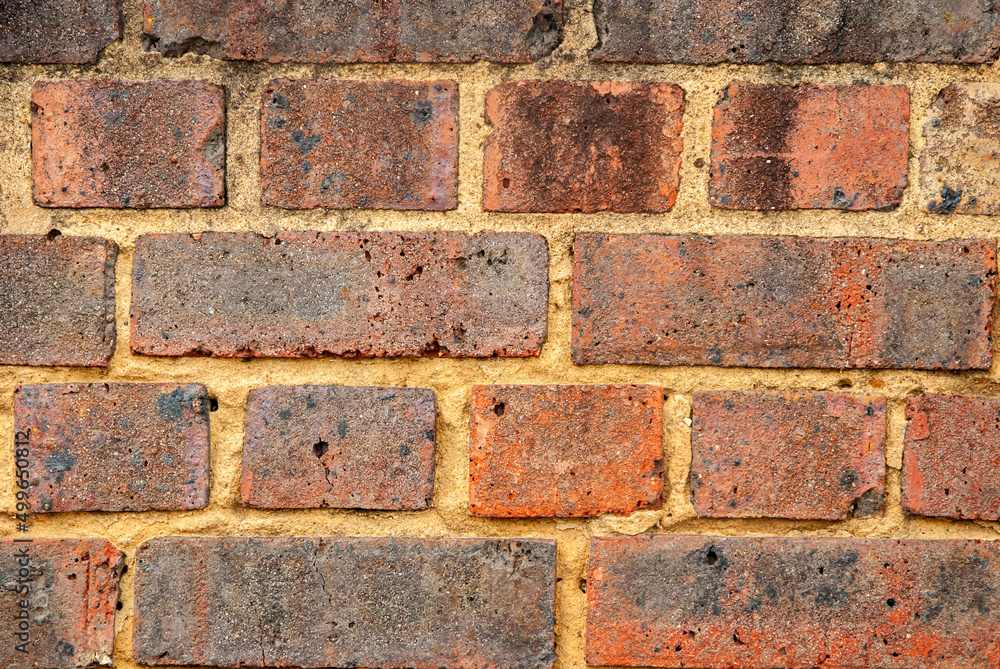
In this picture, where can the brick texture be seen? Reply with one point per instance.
(714, 602)
(360, 31)
(781, 454)
(341, 447)
(367, 144)
(345, 602)
(57, 300)
(561, 146)
(55, 31)
(137, 144)
(366, 294)
(115, 446)
(783, 302)
(540, 451)
(810, 147)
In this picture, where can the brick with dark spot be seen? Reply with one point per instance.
(787, 454)
(818, 146)
(308, 447)
(114, 446)
(67, 592)
(783, 302)
(345, 602)
(57, 300)
(56, 31)
(356, 31)
(716, 602)
(543, 451)
(344, 144)
(559, 146)
(352, 294)
(128, 144)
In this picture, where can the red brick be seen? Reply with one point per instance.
(364, 294)
(70, 590)
(56, 31)
(57, 300)
(783, 302)
(114, 446)
(360, 31)
(559, 146)
(540, 451)
(811, 455)
(715, 602)
(307, 447)
(951, 457)
(345, 602)
(810, 147)
(135, 144)
(366, 144)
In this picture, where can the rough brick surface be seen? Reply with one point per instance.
(68, 589)
(341, 447)
(810, 147)
(559, 146)
(367, 144)
(115, 446)
(540, 451)
(797, 31)
(56, 31)
(960, 164)
(136, 144)
(358, 31)
(57, 300)
(304, 294)
(715, 602)
(951, 457)
(783, 302)
(346, 602)
(810, 455)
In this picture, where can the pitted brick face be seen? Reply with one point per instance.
(56, 31)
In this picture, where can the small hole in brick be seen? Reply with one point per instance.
(320, 448)
(71, 577)
(711, 557)
(890, 602)
(52, 234)
(499, 408)
(506, 182)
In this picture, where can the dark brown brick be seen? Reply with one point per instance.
(365, 294)
(783, 302)
(559, 146)
(307, 447)
(952, 456)
(56, 31)
(67, 592)
(136, 144)
(57, 300)
(785, 454)
(542, 451)
(366, 144)
(345, 602)
(715, 602)
(703, 32)
(114, 446)
(359, 31)
(810, 147)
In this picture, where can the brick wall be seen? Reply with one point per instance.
(499, 333)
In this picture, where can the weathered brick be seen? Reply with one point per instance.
(951, 457)
(67, 590)
(368, 144)
(366, 294)
(702, 32)
(137, 144)
(359, 31)
(960, 165)
(308, 447)
(559, 146)
(56, 31)
(715, 602)
(783, 302)
(818, 146)
(57, 300)
(540, 451)
(784, 454)
(345, 602)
